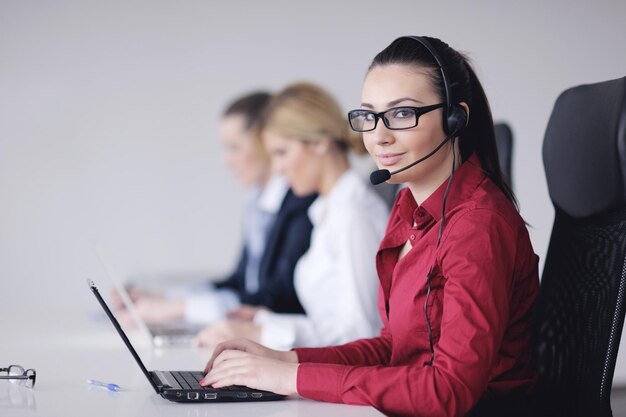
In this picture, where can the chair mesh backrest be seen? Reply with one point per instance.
(580, 312)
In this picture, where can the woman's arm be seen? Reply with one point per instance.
(475, 313)
(336, 282)
(476, 304)
(373, 351)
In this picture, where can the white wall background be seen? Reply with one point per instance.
(109, 111)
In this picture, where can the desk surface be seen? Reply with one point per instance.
(68, 348)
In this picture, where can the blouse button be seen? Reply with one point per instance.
(420, 212)
(412, 237)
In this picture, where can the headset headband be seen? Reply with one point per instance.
(455, 117)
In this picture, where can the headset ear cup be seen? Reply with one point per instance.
(457, 120)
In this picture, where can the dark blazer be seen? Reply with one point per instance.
(288, 240)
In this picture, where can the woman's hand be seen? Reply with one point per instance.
(134, 294)
(248, 346)
(245, 312)
(152, 307)
(237, 367)
(155, 310)
(227, 330)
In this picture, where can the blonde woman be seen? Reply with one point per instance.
(276, 234)
(308, 139)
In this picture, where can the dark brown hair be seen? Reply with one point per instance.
(250, 106)
(479, 135)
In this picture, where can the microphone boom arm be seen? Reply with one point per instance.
(382, 175)
(443, 142)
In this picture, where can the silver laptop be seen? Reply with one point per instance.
(177, 334)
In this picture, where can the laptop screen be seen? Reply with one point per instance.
(117, 326)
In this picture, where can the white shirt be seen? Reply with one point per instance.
(206, 304)
(336, 279)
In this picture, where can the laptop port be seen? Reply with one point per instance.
(242, 395)
(256, 395)
(210, 396)
(193, 395)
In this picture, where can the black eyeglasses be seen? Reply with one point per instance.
(396, 118)
(19, 376)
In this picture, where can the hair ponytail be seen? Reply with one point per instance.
(479, 136)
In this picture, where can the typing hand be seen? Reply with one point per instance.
(160, 310)
(227, 330)
(235, 367)
(245, 312)
(154, 310)
(118, 302)
(134, 294)
(248, 346)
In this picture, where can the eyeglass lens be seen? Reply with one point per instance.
(400, 118)
(397, 118)
(18, 371)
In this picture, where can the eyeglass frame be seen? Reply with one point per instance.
(419, 111)
(24, 375)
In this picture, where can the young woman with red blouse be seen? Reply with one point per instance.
(458, 275)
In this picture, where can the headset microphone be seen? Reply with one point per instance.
(379, 176)
(382, 175)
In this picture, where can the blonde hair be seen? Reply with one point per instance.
(306, 112)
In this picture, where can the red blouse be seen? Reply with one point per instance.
(484, 284)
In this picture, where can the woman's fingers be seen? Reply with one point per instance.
(229, 371)
(216, 352)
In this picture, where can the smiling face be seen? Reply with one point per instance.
(395, 85)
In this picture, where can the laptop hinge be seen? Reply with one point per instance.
(165, 380)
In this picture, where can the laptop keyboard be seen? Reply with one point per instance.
(190, 380)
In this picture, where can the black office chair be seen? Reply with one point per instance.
(504, 142)
(580, 312)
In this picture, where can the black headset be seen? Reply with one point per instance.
(454, 121)
(454, 116)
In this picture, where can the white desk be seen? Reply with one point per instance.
(68, 348)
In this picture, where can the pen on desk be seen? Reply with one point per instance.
(110, 387)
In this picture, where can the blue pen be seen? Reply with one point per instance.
(110, 387)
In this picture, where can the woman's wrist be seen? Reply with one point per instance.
(294, 388)
(179, 308)
(289, 356)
